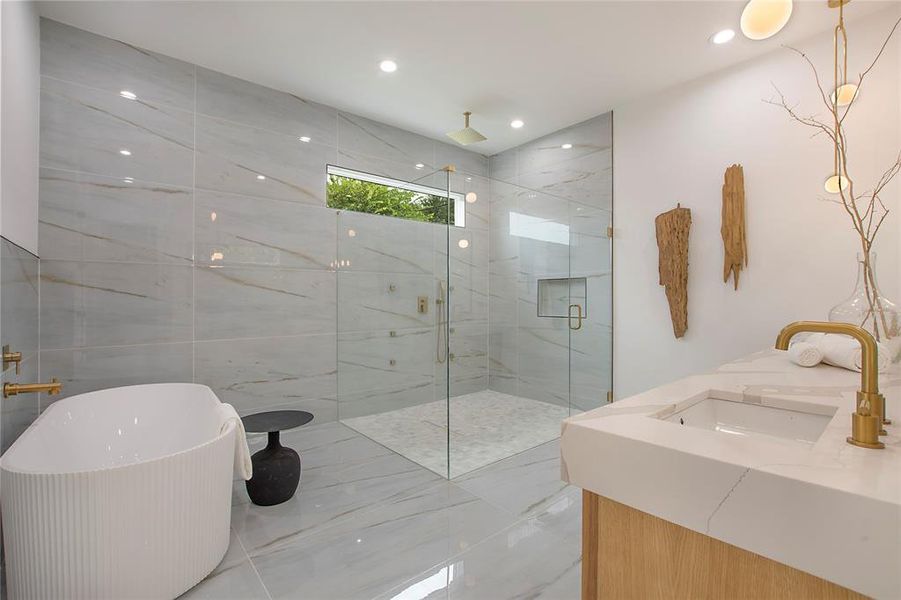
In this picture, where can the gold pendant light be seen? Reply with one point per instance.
(843, 95)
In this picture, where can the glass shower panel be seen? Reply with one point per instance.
(392, 277)
(591, 307)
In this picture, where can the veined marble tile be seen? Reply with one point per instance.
(233, 99)
(469, 367)
(590, 249)
(384, 244)
(18, 412)
(503, 167)
(108, 304)
(239, 302)
(503, 300)
(421, 529)
(477, 212)
(233, 230)
(503, 358)
(404, 170)
(526, 485)
(523, 561)
(469, 249)
(363, 136)
(544, 363)
(81, 57)
(365, 359)
(588, 179)
(83, 129)
(234, 579)
(268, 373)
(588, 137)
(369, 302)
(343, 474)
(89, 217)
(591, 366)
(90, 369)
(408, 392)
(468, 300)
(232, 158)
(466, 161)
(18, 298)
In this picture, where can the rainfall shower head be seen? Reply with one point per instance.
(467, 135)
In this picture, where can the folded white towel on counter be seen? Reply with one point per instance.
(243, 464)
(805, 354)
(845, 352)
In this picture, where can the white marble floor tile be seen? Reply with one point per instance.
(343, 474)
(523, 561)
(367, 555)
(367, 523)
(234, 579)
(485, 427)
(529, 485)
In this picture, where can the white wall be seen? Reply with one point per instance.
(675, 146)
(19, 123)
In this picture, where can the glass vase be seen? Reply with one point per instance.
(867, 307)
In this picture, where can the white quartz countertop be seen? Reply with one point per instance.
(827, 508)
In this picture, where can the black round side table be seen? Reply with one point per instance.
(276, 469)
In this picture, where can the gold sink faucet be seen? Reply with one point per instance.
(866, 421)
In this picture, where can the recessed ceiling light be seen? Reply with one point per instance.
(471, 197)
(261, 177)
(721, 37)
(516, 123)
(125, 152)
(213, 216)
(128, 95)
(566, 146)
(351, 233)
(388, 66)
(762, 19)
(420, 166)
(469, 179)
(128, 180)
(463, 244)
(305, 138)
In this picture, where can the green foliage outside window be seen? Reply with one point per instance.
(377, 199)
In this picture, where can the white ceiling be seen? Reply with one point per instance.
(549, 63)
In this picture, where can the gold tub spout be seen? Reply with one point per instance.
(14, 389)
(866, 422)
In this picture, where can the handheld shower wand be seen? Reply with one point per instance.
(441, 322)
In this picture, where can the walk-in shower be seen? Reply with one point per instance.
(474, 312)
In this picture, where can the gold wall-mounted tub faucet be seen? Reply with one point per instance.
(14, 389)
(866, 421)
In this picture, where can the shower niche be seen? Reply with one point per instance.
(557, 296)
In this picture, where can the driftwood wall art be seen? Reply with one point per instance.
(672, 244)
(735, 244)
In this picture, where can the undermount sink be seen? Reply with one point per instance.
(804, 422)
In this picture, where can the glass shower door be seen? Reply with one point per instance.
(392, 306)
(590, 307)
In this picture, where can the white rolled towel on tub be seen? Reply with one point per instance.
(805, 354)
(845, 352)
(243, 464)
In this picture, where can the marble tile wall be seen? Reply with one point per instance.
(550, 209)
(184, 236)
(18, 329)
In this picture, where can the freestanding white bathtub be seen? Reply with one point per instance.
(121, 493)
